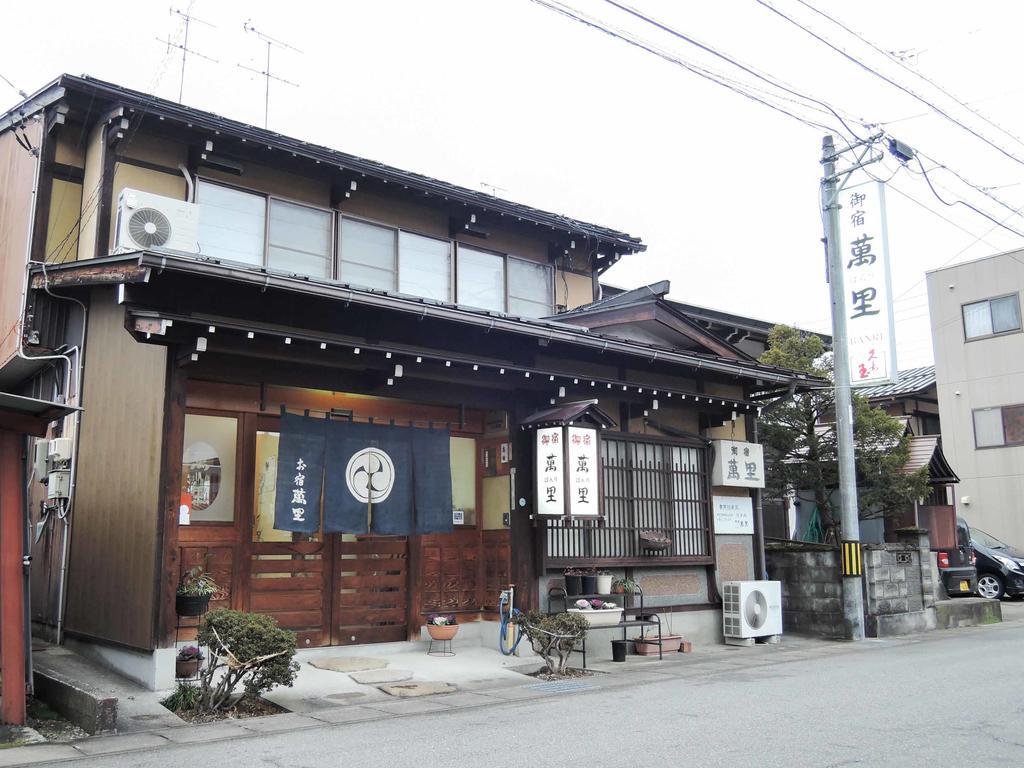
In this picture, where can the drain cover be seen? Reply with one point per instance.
(560, 686)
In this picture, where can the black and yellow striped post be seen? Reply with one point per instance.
(851, 559)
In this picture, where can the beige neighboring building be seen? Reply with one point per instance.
(979, 365)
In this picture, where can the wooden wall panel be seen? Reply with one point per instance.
(451, 572)
(113, 562)
(497, 565)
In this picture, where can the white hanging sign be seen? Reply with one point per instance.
(583, 471)
(733, 514)
(864, 254)
(549, 451)
(738, 464)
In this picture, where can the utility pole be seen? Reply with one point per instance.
(853, 599)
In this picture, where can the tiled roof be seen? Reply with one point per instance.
(911, 382)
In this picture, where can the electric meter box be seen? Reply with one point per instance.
(58, 484)
(39, 459)
(59, 449)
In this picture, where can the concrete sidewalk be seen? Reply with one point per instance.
(482, 678)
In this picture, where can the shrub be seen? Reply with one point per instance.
(553, 637)
(184, 698)
(245, 648)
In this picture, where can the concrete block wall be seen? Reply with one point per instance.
(892, 578)
(812, 594)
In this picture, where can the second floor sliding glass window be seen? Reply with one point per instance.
(232, 223)
(299, 239)
(251, 228)
(367, 255)
(481, 279)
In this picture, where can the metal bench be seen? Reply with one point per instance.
(642, 618)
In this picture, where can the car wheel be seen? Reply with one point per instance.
(990, 586)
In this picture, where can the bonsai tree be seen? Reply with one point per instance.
(800, 445)
(247, 649)
(553, 637)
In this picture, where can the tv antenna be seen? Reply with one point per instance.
(183, 46)
(266, 73)
(492, 189)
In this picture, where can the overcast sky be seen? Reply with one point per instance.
(723, 190)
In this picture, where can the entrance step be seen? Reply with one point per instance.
(378, 676)
(348, 663)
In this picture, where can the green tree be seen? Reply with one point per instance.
(800, 445)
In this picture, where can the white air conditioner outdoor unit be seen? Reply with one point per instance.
(153, 222)
(751, 609)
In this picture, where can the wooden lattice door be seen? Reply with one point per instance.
(371, 578)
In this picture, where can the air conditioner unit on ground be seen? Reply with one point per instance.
(153, 222)
(751, 609)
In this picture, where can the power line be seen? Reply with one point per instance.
(889, 80)
(579, 17)
(978, 211)
(20, 92)
(735, 86)
(724, 57)
(912, 71)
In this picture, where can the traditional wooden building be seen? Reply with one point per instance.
(215, 275)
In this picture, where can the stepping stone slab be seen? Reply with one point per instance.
(378, 676)
(348, 663)
(414, 690)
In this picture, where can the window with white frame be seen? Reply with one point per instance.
(997, 427)
(991, 317)
(232, 223)
(299, 239)
(367, 255)
(481, 279)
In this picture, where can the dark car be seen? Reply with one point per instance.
(1000, 566)
(956, 564)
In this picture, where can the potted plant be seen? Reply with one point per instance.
(194, 592)
(442, 626)
(604, 582)
(624, 586)
(573, 585)
(647, 644)
(589, 582)
(598, 613)
(188, 661)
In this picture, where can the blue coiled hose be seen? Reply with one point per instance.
(505, 614)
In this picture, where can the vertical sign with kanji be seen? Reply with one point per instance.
(583, 472)
(550, 453)
(864, 250)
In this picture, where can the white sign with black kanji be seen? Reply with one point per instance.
(550, 475)
(583, 472)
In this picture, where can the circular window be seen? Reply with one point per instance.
(200, 475)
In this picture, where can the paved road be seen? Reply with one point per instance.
(907, 704)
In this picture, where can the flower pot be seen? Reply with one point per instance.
(619, 650)
(573, 586)
(648, 646)
(442, 631)
(602, 617)
(186, 667)
(191, 605)
(604, 585)
(589, 584)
